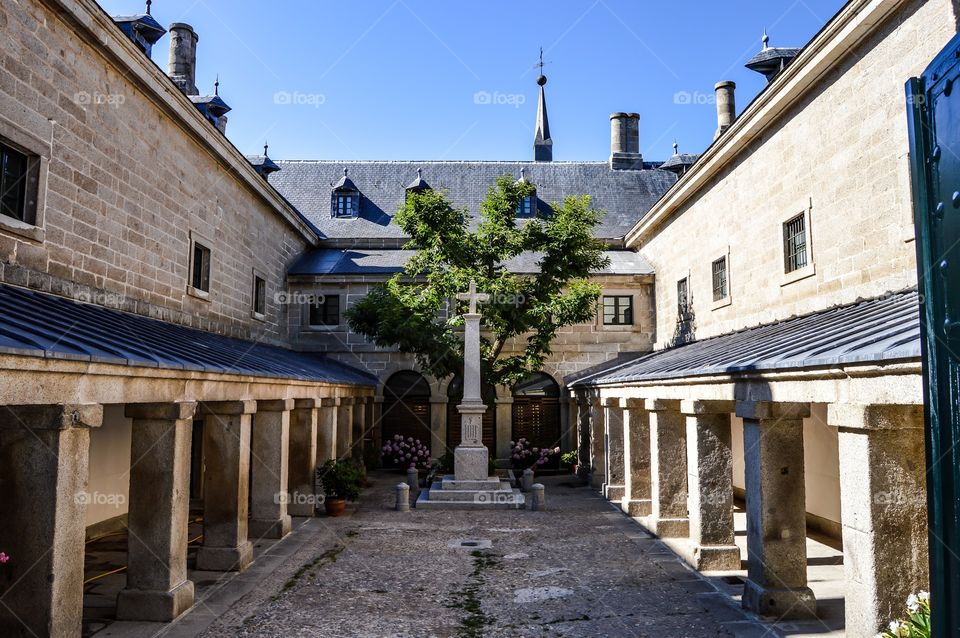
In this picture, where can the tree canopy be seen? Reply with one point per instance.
(417, 311)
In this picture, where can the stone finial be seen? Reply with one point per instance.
(765, 40)
(676, 148)
(265, 146)
(403, 498)
(149, 2)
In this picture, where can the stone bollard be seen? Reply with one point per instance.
(538, 498)
(403, 497)
(413, 480)
(526, 481)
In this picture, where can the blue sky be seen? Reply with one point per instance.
(446, 79)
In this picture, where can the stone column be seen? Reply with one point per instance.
(776, 509)
(438, 426)
(371, 434)
(567, 424)
(668, 470)
(344, 427)
(303, 457)
(598, 445)
(226, 485)
(327, 430)
(613, 431)
(504, 418)
(710, 485)
(358, 428)
(44, 455)
(376, 418)
(636, 458)
(884, 510)
(269, 468)
(157, 586)
(584, 445)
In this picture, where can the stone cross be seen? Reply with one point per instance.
(473, 297)
(470, 457)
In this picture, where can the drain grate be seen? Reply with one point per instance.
(470, 543)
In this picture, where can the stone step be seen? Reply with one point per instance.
(469, 495)
(514, 501)
(450, 483)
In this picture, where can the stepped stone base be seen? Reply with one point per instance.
(483, 494)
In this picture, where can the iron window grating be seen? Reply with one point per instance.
(200, 278)
(325, 311)
(795, 243)
(19, 178)
(618, 310)
(683, 298)
(527, 206)
(720, 286)
(259, 295)
(345, 204)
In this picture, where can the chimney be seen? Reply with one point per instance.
(625, 142)
(183, 57)
(726, 106)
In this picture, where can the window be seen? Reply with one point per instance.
(259, 295)
(719, 268)
(795, 243)
(19, 175)
(346, 204)
(325, 311)
(683, 298)
(527, 206)
(200, 276)
(618, 310)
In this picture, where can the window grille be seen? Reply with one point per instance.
(720, 289)
(795, 243)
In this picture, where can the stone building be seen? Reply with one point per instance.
(172, 325)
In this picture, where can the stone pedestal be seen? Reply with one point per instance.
(327, 430)
(668, 469)
(884, 510)
(613, 488)
(226, 486)
(776, 510)
(598, 446)
(710, 485)
(471, 456)
(344, 427)
(302, 460)
(44, 456)
(269, 467)
(636, 458)
(157, 586)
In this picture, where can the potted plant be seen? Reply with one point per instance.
(341, 483)
(570, 458)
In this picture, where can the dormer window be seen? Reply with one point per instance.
(418, 185)
(345, 200)
(527, 206)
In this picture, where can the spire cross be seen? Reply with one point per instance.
(473, 297)
(541, 62)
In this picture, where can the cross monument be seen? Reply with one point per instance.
(470, 457)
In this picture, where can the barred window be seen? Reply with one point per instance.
(200, 277)
(720, 288)
(259, 295)
(795, 243)
(325, 311)
(527, 206)
(618, 310)
(683, 298)
(19, 176)
(346, 204)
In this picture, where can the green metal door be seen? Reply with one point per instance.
(933, 102)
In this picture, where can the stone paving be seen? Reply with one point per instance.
(578, 569)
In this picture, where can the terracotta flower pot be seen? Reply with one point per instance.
(334, 506)
(573, 467)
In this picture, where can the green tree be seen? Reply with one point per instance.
(414, 310)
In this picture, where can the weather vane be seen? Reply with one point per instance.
(541, 62)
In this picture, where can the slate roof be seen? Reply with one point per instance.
(362, 261)
(42, 325)
(626, 195)
(879, 330)
(680, 160)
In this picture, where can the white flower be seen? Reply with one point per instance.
(913, 603)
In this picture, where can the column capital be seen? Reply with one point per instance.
(56, 416)
(247, 406)
(875, 416)
(695, 406)
(276, 405)
(763, 410)
(306, 404)
(439, 399)
(634, 404)
(346, 401)
(663, 405)
(174, 411)
(612, 402)
(328, 402)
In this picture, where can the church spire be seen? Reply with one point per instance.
(542, 142)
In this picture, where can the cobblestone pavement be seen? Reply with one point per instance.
(578, 569)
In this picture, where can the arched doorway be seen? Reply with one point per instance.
(454, 421)
(406, 407)
(536, 412)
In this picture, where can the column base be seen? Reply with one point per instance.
(225, 559)
(613, 492)
(155, 605)
(668, 527)
(597, 481)
(470, 463)
(793, 603)
(715, 558)
(636, 507)
(269, 527)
